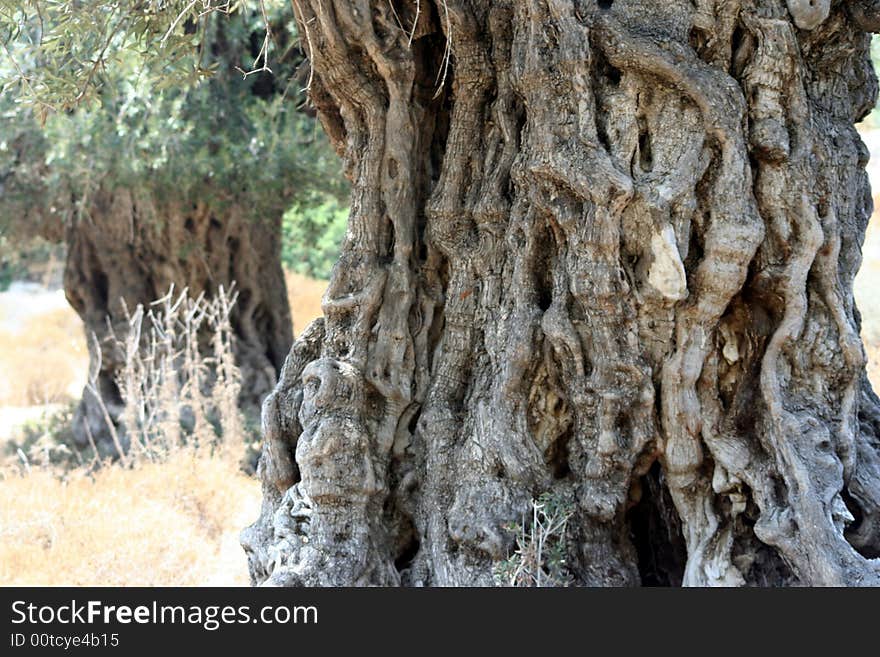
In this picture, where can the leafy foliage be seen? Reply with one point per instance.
(311, 235)
(63, 52)
(539, 558)
(29, 260)
(173, 97)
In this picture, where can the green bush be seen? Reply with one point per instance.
(173, 117)
(312, 233)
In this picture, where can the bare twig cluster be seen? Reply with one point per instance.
(179, 382)
(539, 558)
(198, 9)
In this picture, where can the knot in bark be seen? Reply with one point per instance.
(809, 14)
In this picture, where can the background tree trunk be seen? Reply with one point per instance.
(131, 247)
(603, 251)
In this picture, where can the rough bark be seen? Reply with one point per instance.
(598, 250)
(130, 249)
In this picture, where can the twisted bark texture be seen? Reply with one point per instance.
(599, 250)
(132, 247)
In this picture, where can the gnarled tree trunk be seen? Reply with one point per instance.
(603, 251)
(132, 247)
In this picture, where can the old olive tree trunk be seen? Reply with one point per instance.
(601, 251)
(129, 250)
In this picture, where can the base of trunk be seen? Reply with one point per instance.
(607, 263)
(132, 248)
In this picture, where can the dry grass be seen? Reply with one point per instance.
(43, 358)
(304, 295)
(168, 512)
(175, 391)
(171, 522)
(167, 523)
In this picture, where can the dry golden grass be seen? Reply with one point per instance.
(169, 512)
(173, 522)
(304, 295)
(44, 360)
(157, 524)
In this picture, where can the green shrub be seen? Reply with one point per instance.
(312, 233)
(541, 544)
(172, 117)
